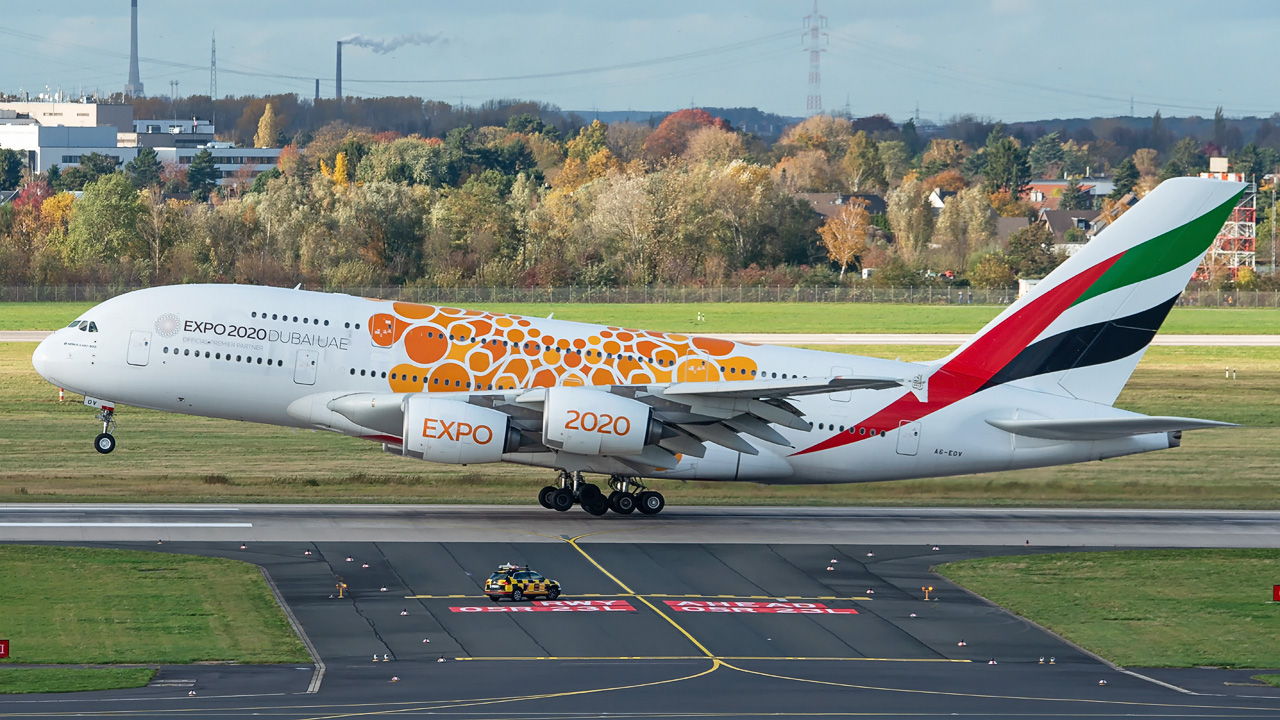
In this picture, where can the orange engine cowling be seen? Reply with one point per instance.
(590, 422)
(448, 431)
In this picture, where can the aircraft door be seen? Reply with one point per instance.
(908, 437)
(304, 369)
(843, 395)
(139, 347)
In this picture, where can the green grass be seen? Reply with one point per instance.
(1272, 680)
(47, 454)
(55, 680)
(93, 606)
(756, 317)
(1143, 608)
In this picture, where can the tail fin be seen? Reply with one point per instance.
(1081, 331)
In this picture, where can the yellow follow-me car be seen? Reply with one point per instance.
(518, 583)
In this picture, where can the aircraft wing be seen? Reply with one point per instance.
(1103, 428)
(794, 387)
(691, 414)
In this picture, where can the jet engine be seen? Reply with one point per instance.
(590, 422)
(448, 431)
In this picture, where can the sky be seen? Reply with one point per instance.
(1010, 60)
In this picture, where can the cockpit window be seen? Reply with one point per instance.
(93, 326)
(84, 325)
(74, 323)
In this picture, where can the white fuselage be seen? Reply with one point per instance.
(254, 353)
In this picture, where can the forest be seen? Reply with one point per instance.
(399, 191)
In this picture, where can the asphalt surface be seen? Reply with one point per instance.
(846, 645)
(950, 339)
(676, 524)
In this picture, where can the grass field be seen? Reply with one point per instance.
(47, 454)
(129, 607)
(1144, 608)
(53, 680)
(758, 317)
(113, 607)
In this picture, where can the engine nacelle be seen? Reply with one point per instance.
(590, 422)
(448, 431)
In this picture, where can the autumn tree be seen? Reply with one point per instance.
(807, 171)
(268, 128)
(845, 234)
(341, 175)
(714, 146)
(992, 273)
(943, 154)
(672, 135)
(818, 132)
(104, 222)
(1145, 160)
(589, 141)
(1030, 252)
(861, 165)
(966, 222)
(911, 217)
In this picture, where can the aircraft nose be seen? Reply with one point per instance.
(42, 358)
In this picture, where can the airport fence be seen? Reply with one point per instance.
(645, 295)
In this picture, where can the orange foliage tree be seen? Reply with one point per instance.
(672, 135)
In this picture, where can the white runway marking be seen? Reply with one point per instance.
(124, 525)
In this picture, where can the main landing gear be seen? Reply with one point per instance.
(628, 495)
(106, 442)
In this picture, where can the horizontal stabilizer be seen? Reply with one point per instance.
(1103, 428)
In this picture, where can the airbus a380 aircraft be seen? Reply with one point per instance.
(1035, 387)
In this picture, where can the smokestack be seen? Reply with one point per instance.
(317, 88)
(338, 85)
(134, 87)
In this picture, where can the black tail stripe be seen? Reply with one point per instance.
(1085, 346)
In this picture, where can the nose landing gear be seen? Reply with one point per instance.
(627, 495)
(106, 442)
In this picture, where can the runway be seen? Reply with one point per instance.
(678, 525)
(658, 618)
(944, 339)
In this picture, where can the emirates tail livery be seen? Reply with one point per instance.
(1035, 387)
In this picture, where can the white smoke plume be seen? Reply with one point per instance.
(382, 46)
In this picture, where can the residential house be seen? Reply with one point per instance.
(828, 204)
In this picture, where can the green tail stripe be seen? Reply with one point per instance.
(1164, 252)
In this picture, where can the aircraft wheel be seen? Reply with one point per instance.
(651, 503)
(562, 499)
(104, 443)
(622, 503)
(587, 491)
(517, 595)
(595, 504)
(544, 496)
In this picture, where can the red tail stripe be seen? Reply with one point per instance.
(968, 371)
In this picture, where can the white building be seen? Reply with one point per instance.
(49, 134)
(44, 146)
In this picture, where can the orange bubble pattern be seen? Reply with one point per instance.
(443, 349)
